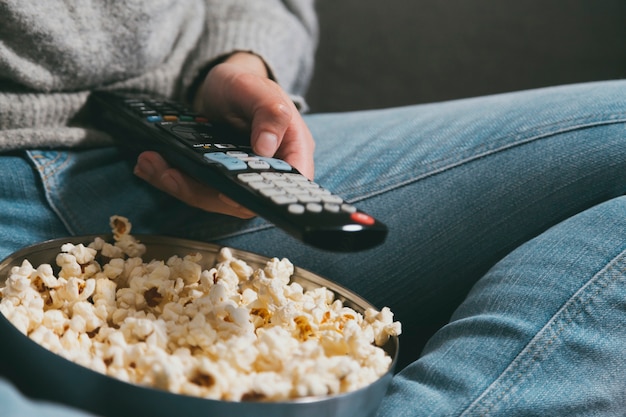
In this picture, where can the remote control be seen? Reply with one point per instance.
(222, 158)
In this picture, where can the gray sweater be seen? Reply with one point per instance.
(54, 52)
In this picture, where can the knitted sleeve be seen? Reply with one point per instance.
(284, 33)
(53, 55)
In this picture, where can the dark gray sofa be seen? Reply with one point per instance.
(375, 53)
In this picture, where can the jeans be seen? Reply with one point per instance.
(504, 260)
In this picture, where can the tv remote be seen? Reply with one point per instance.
(222, 158)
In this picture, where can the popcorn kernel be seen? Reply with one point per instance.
(173, 325)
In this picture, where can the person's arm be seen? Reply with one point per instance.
(283, 32)
(241, 90)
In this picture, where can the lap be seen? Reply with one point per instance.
(542, 333)
(460, 184)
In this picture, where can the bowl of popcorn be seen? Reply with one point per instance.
(125, 325)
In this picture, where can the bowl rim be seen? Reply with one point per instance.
(346, 295)
(188, 243)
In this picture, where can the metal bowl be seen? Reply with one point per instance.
(39, 373)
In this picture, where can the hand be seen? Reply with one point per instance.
(238, 91)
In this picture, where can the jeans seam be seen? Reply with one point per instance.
(45, 179)
(43, 169)
(484, 151)
(517, 370)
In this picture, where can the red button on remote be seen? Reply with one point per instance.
(362, 218)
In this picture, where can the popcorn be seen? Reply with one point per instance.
(230, 332)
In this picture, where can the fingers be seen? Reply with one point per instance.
(240, 93)
(297, 147)
(258, 104)
(270, 121)
(249, 101)
(155, 170)
(277, 128)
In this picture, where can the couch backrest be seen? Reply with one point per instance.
(375, 53)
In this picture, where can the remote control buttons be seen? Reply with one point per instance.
(277, 164)
(250, 177)
(314, 207)
(296, 192)
(348, 208)
(157, 111)
(237, 153)
(261, 163)
(228, 162)
(185, 133)
(362, 218)
(296, 208)
(258, 165)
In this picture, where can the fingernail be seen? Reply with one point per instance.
(143, 168)
(266, 144)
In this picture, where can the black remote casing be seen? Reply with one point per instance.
(190, 143)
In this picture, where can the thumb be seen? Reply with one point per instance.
(269, 124)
